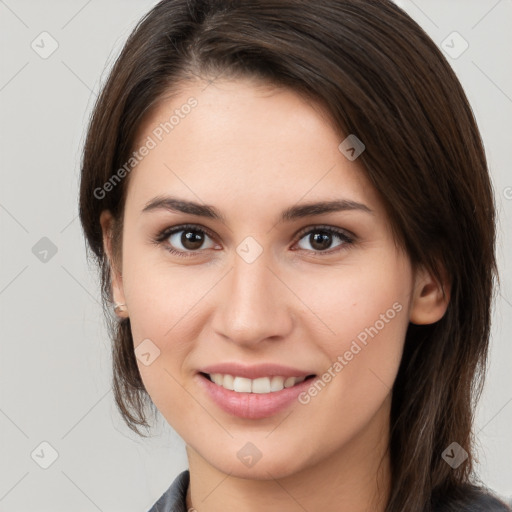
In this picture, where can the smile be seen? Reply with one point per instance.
(259, 385)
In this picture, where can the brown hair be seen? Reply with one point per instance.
(382, 78)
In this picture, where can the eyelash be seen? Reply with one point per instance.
(167, 232)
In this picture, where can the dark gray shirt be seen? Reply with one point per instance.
(174, 500)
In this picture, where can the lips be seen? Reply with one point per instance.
(227, 385)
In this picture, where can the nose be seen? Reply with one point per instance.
(254, 305)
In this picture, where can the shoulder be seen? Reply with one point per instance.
(174, 498)
(470, 498)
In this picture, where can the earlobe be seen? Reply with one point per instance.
(430, 297)
(119, 308)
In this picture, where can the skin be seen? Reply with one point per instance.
(252, 150)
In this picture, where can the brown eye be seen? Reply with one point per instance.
(321, 239)
(189, 239)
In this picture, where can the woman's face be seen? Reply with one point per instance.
(324, 293)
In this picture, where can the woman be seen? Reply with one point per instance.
(291, 209)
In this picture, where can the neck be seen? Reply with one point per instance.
(354, 478)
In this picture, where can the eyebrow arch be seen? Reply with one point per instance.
(292, 213)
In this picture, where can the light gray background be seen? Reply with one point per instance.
(55, 353)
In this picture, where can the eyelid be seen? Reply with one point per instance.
(331, 229)
(167, 232)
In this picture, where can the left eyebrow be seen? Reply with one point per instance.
(292, 213)
(311, 209)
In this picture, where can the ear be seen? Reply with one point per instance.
(107, 221)
(430, 297)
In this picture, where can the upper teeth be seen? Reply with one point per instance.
(261, 385)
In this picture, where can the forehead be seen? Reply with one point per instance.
(251, 144)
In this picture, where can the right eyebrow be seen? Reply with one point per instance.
(174, 204)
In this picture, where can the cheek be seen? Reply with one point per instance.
(350, 300)
(161, 323)
(165, 303)
(360, 322)
(159, 293)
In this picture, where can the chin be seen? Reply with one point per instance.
(255, 460)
